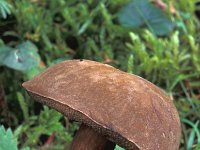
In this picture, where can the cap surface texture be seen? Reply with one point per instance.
(126, 108)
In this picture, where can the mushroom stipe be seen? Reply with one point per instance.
(113, 106)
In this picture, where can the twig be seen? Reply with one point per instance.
(164, 6)
(49, 140)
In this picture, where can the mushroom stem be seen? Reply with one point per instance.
(87, 138)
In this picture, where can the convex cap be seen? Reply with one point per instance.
(126, 108)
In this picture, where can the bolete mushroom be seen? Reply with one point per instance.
(111, 105)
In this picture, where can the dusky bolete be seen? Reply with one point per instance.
(111, 105)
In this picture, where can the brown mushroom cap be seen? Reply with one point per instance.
(126, 108)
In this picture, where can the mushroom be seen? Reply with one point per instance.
(114, 107)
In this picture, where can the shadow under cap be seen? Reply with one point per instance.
(126, 108)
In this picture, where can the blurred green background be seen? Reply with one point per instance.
(157, 40)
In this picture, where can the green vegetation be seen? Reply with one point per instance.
(162, 47)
